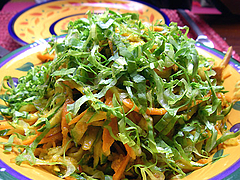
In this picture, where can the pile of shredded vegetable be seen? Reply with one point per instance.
(119, 99)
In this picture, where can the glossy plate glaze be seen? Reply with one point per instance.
(47, 19)
(17, 64)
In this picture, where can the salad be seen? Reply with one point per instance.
(118, 99)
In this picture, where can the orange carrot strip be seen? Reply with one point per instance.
(218, 130)
(156, 111)
(45, 57)
(119, 172)
(149, 111)
(29, 140)
(52, 138)
(157, 28)
(130, 151)
(77, 118)
(4, 125)
(108, 97)
(110, 45)
(64, 124)
(203, 161)
(70, 178)
(108, 140)
(130, 104)
(107, 102)
(54, 144)
(53, 131)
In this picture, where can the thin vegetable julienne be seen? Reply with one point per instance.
(132, 85)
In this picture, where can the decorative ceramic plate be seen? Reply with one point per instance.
(17, 64)
(47, 19)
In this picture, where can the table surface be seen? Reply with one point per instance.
(227, 26)
(224, 31)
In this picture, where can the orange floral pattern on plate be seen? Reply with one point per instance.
(35, 22)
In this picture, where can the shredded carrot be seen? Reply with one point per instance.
(53, 135)
(54, 144)
(70, 178)
(52, 138)
(107, 102)
(77, 118)
(218, 130)
(108, 140)
(4, 125)
(156, 111)
(45, 57)
(117, 162)
(130, 151)
(53, 131)
(64, 124)
(121, 168)
(108, 97)
(29, 140)
(203, 161)
(110, 46)
(149, 111)
(157, 28)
